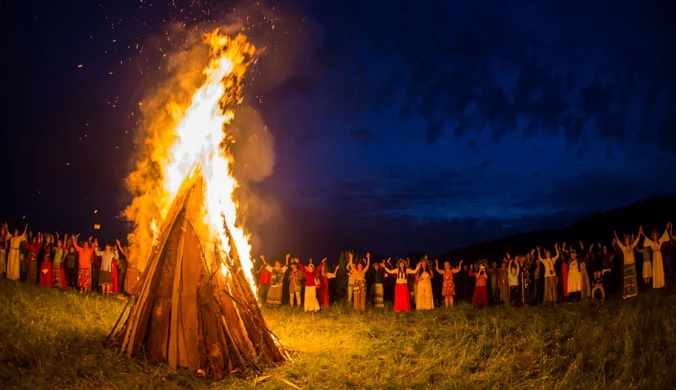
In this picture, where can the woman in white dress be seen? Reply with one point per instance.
(656, 245)
(574, 275)
(424, 300)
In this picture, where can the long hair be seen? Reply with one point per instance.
(427, 268)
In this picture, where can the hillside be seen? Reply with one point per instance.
(651, 213)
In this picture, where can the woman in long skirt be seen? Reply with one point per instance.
(311, 303)
(274, 296)
(359, 289)
(402, 298)
(295, 285)
(549, 263)
(56, 264)
(656, 245)
(574, 284)
(424, 299)
(480, 295)
(377, 290)
(115, 288)
(324, 286)
(448, 288)
(629, 279)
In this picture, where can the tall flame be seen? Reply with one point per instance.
(195, 135)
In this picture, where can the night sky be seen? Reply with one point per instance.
(397, 125)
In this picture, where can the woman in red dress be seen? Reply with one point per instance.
(324, 285)
(402, 298)
(448, 288)
(115, 287)
(480, 297)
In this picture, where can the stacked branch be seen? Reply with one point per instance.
(187, 313)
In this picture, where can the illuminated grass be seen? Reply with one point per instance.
(52, 339)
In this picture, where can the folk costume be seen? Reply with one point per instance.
(424, 299)
(274, 293)
(657, 263)
(629, 279)
(401, 294)
(551, 293)
(311, 302)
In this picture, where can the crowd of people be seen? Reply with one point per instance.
(52, 261)
(568, 273)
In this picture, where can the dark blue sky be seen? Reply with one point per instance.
(397, 125)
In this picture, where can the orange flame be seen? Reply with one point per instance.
(191, 133)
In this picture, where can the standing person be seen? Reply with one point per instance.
(324, 277)
(574, 287)
(526, 264)
(514, 286)
(493, 277)
(4, 246)
(549, 263)
(539, 283)
(503, 282)
(264, 280)
(656, 245)
(295, 285)
(563, 280)
(71, 262)
(33, 247)
(377, 290)
(584, 270)
(629, 283)
(388, 282)
(647, 268)
(401, 295)
(84, 277)
(46, 277)
(607, 259)
(424, 296)
(123, 263)
(275, 291)
(96, 268)
(448, 288)
(350, 279)
(359, 291)
(106, 273)
(480, 295)
(311, 303)
(56, 263)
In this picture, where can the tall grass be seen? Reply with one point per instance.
(53, 340)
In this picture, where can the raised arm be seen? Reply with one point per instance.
(556, 248)
(539, 254)
(368, 262)
(436, 266)
(414, 271)
(75, 245)
(457, 269)
(121, 249)
(618, 241)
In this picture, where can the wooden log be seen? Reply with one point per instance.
(210, 322)
(158, 337)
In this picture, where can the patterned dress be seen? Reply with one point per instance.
(448, 288)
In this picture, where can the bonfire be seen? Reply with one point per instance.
(195, 305)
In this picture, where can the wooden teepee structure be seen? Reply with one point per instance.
(186, 312)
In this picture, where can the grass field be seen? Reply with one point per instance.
(53, 340)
